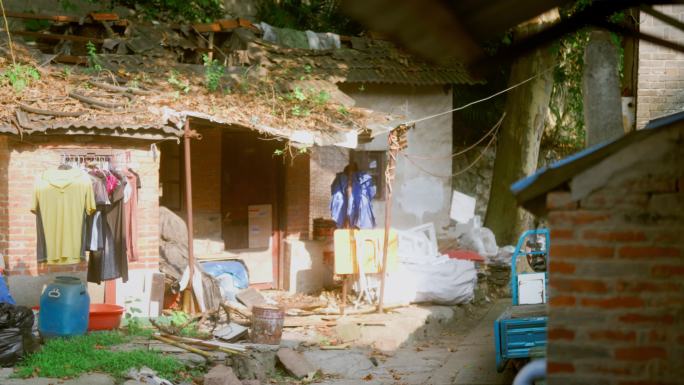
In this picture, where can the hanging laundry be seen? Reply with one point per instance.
(351, 201)
(109, 260)
(112, 182)
(62, 198)
(131, 211)
(95, 230)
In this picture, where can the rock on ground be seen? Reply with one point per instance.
(296, 363)
(221, 375)
(348, 364)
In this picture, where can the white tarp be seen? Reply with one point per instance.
(441, 280)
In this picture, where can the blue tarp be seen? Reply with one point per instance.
(236, 269)
(5, 296)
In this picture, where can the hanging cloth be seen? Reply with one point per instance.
(131, 212)
(111, 262)
(357, 211)
(62, 198)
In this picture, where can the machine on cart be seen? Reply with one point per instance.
(521, 330)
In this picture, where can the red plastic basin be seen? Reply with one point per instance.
(104, 316)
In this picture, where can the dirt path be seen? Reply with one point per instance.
(463, 354)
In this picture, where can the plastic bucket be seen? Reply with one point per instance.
(101, 316)
(64, 308)
(104, 316)
(267, 325)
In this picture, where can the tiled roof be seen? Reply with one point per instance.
(133, 97)
(367, 61)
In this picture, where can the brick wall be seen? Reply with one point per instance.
(617, 274)
(661, 70)
(26, 161)
(325, 163)
(4, 197)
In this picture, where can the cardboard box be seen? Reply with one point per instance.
(260, 226)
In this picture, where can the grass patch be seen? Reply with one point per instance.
(71, 357)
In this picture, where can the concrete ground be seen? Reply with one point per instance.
(463, 353)
(426, 345)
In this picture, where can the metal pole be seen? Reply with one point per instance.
(188, 207)
(389, 177)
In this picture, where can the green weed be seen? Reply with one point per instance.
(19, 76)
(213, 72)
(94, 61)
(67, 358)
(177, 83)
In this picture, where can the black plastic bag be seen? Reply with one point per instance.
(16, 337)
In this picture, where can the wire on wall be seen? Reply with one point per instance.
(467, 168)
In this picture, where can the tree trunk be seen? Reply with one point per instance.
(517, 148)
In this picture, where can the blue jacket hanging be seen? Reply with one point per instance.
(359, 212)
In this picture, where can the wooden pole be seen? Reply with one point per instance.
(188, 295)
(394, 148)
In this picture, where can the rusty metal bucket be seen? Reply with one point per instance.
(267, 325)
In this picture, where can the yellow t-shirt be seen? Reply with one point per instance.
(62, 197)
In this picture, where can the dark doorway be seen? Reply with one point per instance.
(251, 188)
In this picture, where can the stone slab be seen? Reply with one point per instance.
(221, 375)
(295, 363)
(352, 364)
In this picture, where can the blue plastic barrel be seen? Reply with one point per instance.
(64, 308)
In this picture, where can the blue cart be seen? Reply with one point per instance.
(521, 329)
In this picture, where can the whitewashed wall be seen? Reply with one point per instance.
(418, 196)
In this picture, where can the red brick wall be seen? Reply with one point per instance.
(297, 197)
(26, 161)
(325, 163)
(617, 280)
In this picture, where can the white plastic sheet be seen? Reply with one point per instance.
(441, 280)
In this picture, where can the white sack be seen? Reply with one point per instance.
(443, 281)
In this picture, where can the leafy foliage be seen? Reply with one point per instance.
(19, 76)
(565, 131)
(315, 15)
(182, 324)
(213, 72)
(167, 10)
(175, 80)
(63, 358)
(179, 10)
(302, 102)
(134, 324)
(94, 61)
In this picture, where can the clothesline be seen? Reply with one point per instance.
(490, 132)
(467, 168)
(409, 122)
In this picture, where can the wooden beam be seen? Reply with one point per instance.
(52, 36)
(70, 59)
(228, 24)
(64, 18)
(210, 27)
(104, 16)
(58, 18)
